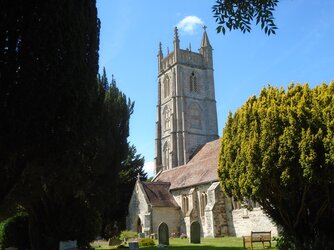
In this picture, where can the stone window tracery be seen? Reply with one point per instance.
(193, 83)
(167, 118)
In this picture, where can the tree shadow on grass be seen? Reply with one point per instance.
(196, 247)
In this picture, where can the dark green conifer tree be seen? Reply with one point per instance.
(118, 161)
(48, 69)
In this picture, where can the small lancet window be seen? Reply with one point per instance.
(193, 83)
(204, 202)
(185, 203)
(166, 156)
(166, 87)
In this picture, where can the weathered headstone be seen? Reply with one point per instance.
(195, 232)
(11, 248)
(141, 235)
(133, 245)
(68, 245)
(163, 234)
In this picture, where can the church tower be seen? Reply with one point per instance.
(186, 109)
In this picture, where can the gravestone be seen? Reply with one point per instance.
(195, 232)
(163, 234)
(141, 235)
(133, 245)
(68, 245)
(11, 248)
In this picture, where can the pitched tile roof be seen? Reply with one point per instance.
(202, 168)
(158, 194)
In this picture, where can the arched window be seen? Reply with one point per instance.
(166, 152)
(193, 83)
(167, 118)
(204, 202)
(166, 87)
(185, 204)
(139, 226)
(195, 116)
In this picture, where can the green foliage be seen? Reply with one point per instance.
(2, 230)
(283, 243)
(146, 242)
(14, 232)
(125, 235)
(47, 92)
(239, 14)
(278, 150)
(62, 218)
(48, 110)
(119, 162)
(63, 132)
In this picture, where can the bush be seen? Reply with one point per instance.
(2, 232)
(146, 242)
(14, 232)
(283, 243)
(125, 235)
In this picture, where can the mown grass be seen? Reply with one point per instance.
(225, 243)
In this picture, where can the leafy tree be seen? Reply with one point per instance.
(278, 149)
(239, 14)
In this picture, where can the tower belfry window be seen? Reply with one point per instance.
(193, 83)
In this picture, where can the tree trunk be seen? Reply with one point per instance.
(34, 232)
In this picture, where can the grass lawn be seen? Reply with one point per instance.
(225, 243)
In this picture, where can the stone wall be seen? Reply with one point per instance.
(171, 216)
(245, 221)
(219, 218)
(218, 210)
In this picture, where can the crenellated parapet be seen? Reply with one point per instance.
(202, 60)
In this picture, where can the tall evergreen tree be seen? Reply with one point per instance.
(132, 168)
(119, 163)
(48, 68)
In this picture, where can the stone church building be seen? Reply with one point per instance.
(186, 187)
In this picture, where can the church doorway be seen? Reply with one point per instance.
(138, 226)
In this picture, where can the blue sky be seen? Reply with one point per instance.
(302, 52)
